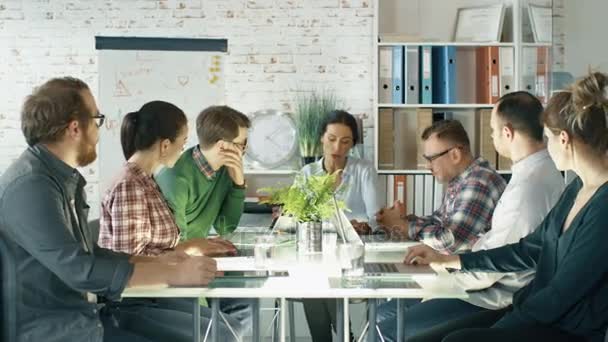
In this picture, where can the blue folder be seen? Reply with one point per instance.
(398, 60)
(426, 75)
(444, 74)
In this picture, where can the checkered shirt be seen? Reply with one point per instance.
(465, 213)
(135, 218)
(202, 163)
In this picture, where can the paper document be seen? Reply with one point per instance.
(235, 264)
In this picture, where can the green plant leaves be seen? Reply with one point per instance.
(311, 111)
(307, 199)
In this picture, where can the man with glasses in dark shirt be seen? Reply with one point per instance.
(473, 190)
(43, 218)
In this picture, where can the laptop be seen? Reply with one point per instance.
(399, 270)
(347, 233)
(383, 242)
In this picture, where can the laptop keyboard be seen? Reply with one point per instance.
(246, 252)
(380, 268)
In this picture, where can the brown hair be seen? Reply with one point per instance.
(449, 130)
(522, 111)
(581, 111)
(48, 111)
(217, 123)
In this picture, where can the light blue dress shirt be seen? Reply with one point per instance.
(358, 189)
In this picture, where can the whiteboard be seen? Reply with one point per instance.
(191, 80)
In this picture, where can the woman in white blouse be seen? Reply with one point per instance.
(356, 187)
(357, 179)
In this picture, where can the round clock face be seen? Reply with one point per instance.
(272, 138)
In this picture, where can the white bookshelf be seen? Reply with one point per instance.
(462, 44)
(436, 106)
(431, 23)
(411, 23)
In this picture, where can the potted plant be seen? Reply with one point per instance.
(310, 200)
(311, 110)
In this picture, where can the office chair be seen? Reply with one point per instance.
(9, 291)
(94, 229)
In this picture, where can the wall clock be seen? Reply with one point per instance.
(272, 139)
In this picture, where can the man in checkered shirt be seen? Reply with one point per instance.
(473, 190)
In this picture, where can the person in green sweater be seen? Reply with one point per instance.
(206, 187)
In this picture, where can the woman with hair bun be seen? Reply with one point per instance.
(568, 299)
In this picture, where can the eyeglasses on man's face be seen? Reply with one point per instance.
(435, 156)
(242, 146)
(99, 119)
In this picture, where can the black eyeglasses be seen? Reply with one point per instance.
(99, 119)
(242, 146)
(438, 155)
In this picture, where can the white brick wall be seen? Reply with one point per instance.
(276, 48)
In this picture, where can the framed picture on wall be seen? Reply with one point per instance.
(541, 20)
(479, 24)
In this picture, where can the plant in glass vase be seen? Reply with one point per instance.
(310, 200)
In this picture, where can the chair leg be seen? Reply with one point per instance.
(275, 332)
(275, 322)
(292, 320)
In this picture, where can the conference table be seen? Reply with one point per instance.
(301, 276)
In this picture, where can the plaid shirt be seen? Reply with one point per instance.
(466, 211)
(202, 163)
(135, 217)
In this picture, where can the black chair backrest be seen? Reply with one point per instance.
(9, 290)
(94, 228)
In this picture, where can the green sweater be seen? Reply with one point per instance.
(198, 202)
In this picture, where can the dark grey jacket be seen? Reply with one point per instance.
(43, 215)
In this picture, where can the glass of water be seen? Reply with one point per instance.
(262, 250)
(351, 257)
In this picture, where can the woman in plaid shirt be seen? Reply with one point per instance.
(137, 220)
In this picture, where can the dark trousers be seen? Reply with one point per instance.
(485, 326)
(420, 316)
(321, 315)
(113, 333)
(170, 319)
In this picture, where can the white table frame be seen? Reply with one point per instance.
(442, 287)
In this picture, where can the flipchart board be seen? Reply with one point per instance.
(133, 71)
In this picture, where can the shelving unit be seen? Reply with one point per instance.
(413, 24)
(464, 44)
(437, 105)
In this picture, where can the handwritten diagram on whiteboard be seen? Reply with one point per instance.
(192, 80)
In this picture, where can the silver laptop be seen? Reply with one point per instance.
(398, 270)
(347, 232)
